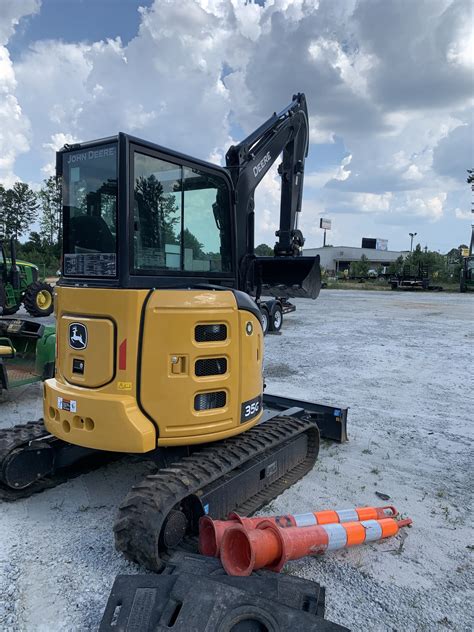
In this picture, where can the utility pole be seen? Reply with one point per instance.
(411, 243)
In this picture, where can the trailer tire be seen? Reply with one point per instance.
(276, 317)
(38, 299)
(265, 318)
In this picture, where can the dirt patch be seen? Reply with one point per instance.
(279, 370)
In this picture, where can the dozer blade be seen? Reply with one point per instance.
(288, 277)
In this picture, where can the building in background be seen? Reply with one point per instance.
(339, 258)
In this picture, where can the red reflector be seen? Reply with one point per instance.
(123, 355)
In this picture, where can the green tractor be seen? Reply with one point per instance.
(466, 282)
(27, 352)
(19, 283)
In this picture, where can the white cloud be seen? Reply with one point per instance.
(372, 202)
(460, 214)
(57, 141)
(412, 173)
(389, 81)
(318, 179)
(12, 12)
(14, 125)
(430, 207)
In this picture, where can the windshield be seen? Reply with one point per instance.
(90, 211)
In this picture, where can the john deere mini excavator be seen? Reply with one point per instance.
(159, 343)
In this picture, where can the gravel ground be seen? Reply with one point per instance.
(402, 363)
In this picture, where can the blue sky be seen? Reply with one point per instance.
(77, 20)
(388, 83)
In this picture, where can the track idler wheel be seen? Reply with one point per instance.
(173, 530)
(26, 465)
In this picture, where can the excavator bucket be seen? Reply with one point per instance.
(288, 277)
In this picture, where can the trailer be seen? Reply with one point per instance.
(411, 278)
(272, 312)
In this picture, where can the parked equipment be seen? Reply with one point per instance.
(466, 281)
(272, 312)
(413, 278)
(27, 351)
(159, 343)
(19, 283)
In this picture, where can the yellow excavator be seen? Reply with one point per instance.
(159, 345)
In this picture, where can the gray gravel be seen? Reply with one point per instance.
(402, 363)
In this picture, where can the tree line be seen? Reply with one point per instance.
(21, 207)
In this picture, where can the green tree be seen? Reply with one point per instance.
(156, 211)
(20, 208)
(2, 212)
(191, 241)
(360, 268)
(49, 198)
(396, 266)
(433, 263)
(37, 250)
(262, 250)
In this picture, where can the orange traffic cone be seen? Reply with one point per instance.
(270, 547)
(211, 531)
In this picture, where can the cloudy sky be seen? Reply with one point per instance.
(389, 85)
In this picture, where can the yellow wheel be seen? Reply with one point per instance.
(38, 299)
(44, 300)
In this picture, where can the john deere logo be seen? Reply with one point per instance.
(77, 336)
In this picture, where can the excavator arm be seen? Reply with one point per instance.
(287, 273)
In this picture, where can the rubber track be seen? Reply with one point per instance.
(144, 510)
(18, 436)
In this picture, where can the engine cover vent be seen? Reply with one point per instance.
(210, 333)
(208, 401)
(210, 366)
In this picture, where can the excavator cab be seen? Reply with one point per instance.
(156, 346)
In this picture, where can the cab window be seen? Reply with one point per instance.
(181, 219)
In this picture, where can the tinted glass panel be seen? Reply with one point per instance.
(206, 207)
(181, 218)
(157, 214)
(90, 211)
